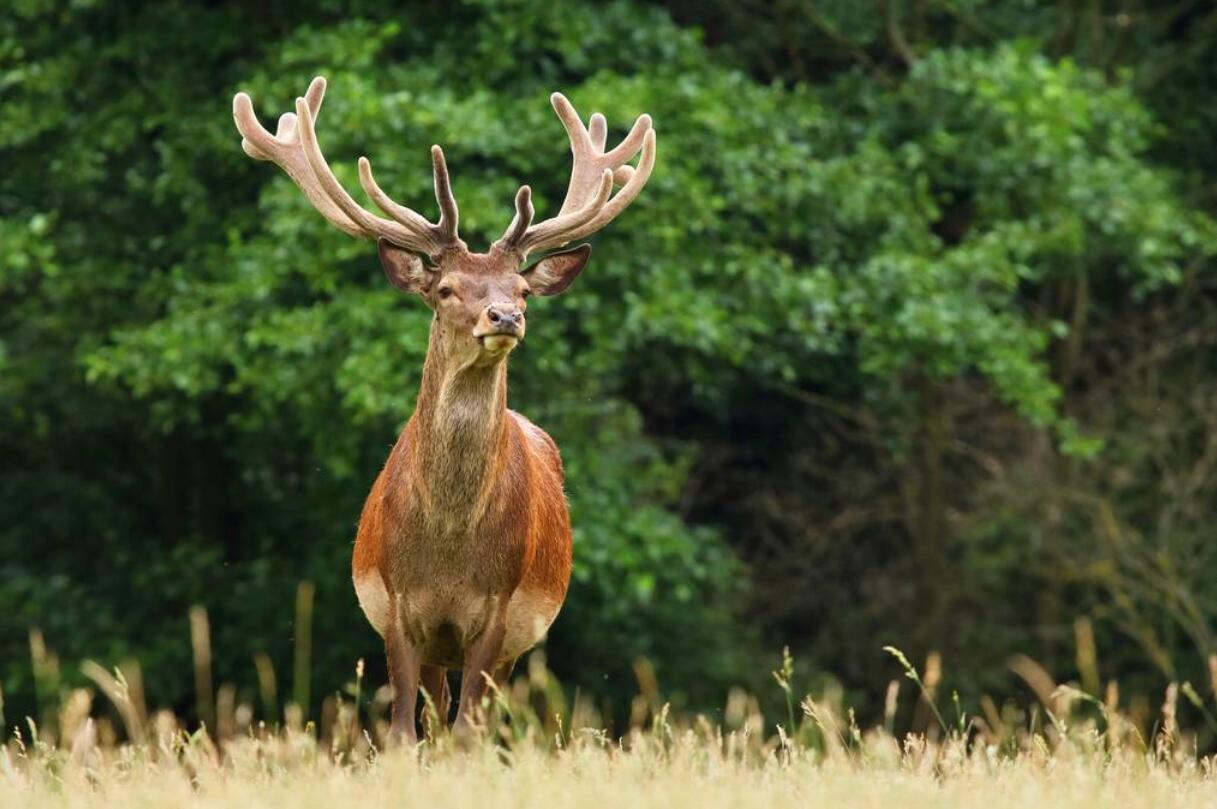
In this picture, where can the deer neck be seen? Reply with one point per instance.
(460, 421)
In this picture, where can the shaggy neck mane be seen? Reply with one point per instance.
(459, 422)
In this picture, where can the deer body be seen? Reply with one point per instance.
(463, 553)
(468, 516)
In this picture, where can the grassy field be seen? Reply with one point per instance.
(1070, 749)
(685, 772)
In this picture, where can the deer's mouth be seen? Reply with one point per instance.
(499, 342)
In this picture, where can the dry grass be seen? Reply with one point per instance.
(1071, 750)
(687, 772)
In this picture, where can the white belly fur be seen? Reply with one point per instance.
(529, 614)
(374, 600)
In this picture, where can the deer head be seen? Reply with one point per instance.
(479, 299)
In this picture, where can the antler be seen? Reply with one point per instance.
(294, 148)
(587, 207)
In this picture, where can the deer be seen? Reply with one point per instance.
(463, 551)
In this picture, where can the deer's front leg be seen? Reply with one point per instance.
(404, 664)
(480, 659)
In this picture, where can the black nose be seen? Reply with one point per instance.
(504, 316)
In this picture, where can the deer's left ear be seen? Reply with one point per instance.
(554, 273)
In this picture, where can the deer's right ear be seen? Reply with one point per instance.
(404, 269)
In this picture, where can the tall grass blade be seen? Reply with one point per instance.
(303, 645)
(200, 644)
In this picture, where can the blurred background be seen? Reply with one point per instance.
(910, 339)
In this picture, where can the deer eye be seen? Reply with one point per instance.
(526, 292)
(445, 292)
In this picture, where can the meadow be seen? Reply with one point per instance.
(1068, 749)
(685, 771)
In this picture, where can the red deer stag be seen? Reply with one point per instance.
(463, 554)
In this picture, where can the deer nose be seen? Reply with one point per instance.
(504, 317)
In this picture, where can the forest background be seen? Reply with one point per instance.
(911, 338)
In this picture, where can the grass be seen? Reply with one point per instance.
(1069, 749)
(687, 771)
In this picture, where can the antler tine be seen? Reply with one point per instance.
(449, 216)
(570, 120)
(631, 142)
(597, 131)
(521, 221)
(401, 213)
(587, 206)
(295, 149)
